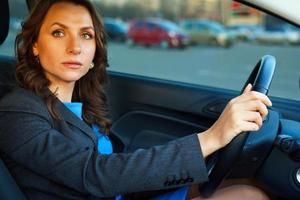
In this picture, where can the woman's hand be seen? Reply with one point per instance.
(243, 113)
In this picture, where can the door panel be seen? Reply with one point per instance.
(140, 129)
(148, 111)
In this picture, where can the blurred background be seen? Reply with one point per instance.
(203, 42)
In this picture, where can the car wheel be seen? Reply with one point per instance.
(164, 44)
(227, 44)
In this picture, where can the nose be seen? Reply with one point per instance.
(74, 46)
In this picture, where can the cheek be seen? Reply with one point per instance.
(90, 50)
(49, 52)
(91, 54)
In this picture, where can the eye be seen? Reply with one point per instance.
(58, 33)
(87, 36)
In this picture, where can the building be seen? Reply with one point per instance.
(150, 4)
(225, 11)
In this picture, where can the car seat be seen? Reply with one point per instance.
(9, 190)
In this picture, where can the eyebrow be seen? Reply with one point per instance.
(66, 27)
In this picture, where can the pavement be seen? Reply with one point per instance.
(212, 66)
(204, 65)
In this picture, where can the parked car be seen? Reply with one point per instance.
(207, 32)
(115, 29)
(283, 35)
(244, 32)
(163, 33)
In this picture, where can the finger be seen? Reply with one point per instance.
(253, 95)
(247, 88)
(258, 106)
(254, 117)
(249, 126)
(262, 97)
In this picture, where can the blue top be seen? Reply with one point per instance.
(105, 147)
(104, 143)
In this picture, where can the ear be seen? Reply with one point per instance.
(35, 49)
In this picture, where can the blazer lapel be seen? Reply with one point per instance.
(71, 118)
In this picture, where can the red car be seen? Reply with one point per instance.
(156, 32)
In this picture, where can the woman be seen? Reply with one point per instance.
(54, 131)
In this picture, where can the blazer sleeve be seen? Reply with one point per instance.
(31, 141)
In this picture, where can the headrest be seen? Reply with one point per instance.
(4, 22)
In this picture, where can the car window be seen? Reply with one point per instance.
(187, 25)
(222, 60)
(150, 26)
(139, 24)
(170, 26)
(18, 11)
(108, 26)
(202, 27)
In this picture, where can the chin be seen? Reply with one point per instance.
(74, 78)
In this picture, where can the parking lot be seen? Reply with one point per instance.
(205, 65)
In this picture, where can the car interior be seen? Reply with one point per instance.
(8, 188)
(149, 111)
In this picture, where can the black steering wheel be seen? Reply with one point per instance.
(260, 78)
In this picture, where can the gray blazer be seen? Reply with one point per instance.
(59, 160)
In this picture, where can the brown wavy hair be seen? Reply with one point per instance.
(89, 89)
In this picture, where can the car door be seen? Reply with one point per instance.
(150, 34)
(137, 32)
(205, 33)
(157, 95)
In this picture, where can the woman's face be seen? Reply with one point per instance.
(66, 43)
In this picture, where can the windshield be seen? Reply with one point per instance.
(169, 26)
(217, 27)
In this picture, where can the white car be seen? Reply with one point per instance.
(285, 36)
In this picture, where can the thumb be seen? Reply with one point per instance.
(247, 88)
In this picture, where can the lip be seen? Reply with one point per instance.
(72, 64)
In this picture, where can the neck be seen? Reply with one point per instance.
(63, 92)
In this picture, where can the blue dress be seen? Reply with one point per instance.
(105, 147)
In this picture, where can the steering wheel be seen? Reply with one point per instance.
(260, 78)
